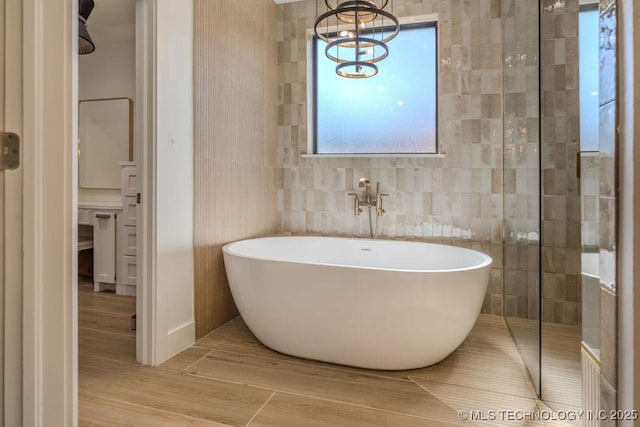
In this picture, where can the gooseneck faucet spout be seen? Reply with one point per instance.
(366, 184)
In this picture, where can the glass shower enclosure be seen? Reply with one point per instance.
(543, 233)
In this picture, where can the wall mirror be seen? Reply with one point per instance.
(106, 139)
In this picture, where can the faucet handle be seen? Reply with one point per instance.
(379, 210)
(356, 204)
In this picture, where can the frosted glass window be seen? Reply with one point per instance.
(393, 112)
(589, 45)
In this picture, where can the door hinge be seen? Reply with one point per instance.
(9, 151)
(138, 198)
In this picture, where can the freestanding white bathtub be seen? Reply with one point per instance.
(367, 303)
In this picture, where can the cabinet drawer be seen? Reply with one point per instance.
(129, 240)
(129, 270)
(129, 181)
(129, 211)
(85, 217)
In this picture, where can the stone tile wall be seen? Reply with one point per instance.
(561, 292)
(484, 192)
(455, 199)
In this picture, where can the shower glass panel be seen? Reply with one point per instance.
(561, 117)
(541, 190)
(522, 181)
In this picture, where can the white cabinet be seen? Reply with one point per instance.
(100, 229)
(114, 237)
(129, 180)
(129, 187)
(129, 210)
(104, 244)
(129, 269)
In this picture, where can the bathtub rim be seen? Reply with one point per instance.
(487, 260)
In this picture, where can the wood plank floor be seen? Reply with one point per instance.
(229, 378)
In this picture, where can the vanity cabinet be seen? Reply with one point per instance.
(104, 244)
(129, 185)
(100, 223)
(111, 229)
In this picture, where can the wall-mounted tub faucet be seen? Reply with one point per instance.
(366, 184)
(369, 201)
(357, 210)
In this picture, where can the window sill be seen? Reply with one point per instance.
(363, 155)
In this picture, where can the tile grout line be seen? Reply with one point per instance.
(153, 408)
(312, 364)
(415, 379)
(110, 297)
(202, 357)
(132, 334)
(388, 411)
(133, 363)
(261, 408)
(123, 315)
(322, 398)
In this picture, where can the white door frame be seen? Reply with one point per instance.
(12, 217)
(145, 135)
(164, 37)
(47, 275)
(50, 122)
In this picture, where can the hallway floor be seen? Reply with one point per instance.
(229, 378)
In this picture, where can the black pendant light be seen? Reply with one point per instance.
(85, 43)
(356, 33)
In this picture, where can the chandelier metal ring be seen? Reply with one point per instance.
(330, 13)
(367, 42)
(367, 15)
(358, 74)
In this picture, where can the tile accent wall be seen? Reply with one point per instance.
(456, 199)
(608, 206)
(488, 114)
(561, 301)
(235, 96)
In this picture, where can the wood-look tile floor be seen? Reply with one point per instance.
(561, 363)
(229, 378)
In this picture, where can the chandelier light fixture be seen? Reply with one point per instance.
(356, 33)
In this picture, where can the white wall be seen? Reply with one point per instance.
(109, 71)
(173, 224)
